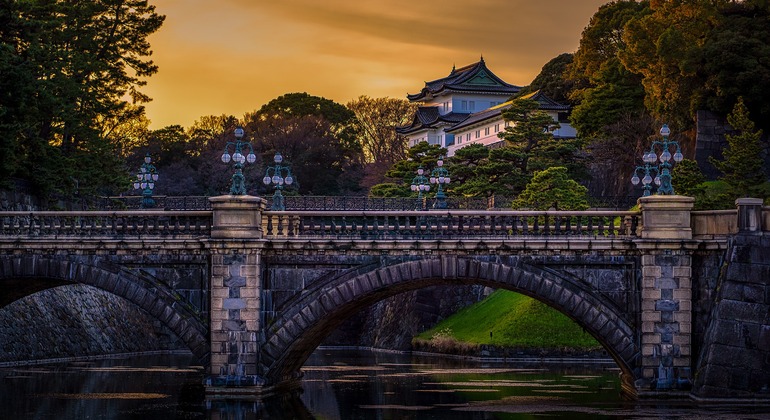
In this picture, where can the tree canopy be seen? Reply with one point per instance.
(67, 69)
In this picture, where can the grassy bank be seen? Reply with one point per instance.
(508, 319)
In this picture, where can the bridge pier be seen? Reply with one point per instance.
(666, 247)
(235, 248)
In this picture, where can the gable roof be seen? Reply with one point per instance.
(473, 78)
(428, 117)
(546, 104)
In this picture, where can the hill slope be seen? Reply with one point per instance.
(508, 319)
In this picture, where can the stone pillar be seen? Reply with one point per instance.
(666, 293)
(749, 215)
(235, 247)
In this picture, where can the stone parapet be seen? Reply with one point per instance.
(237, 216)
(666, 216)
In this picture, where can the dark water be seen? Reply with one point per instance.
(341, 385)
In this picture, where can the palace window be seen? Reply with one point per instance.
(497, 128)
(464, 105)
(472, 105)
(478, 133)
(486, 131)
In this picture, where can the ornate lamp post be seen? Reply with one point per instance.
(420, 184)
(145, 181)
(440, 176)
(238, 186)
(663, 169)
(278, 180)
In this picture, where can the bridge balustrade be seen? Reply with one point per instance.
(105, 223)
(449, 224)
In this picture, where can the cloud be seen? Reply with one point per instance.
(232, 56)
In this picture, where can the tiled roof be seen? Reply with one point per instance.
(430, 117)
(471, 78)
(546, 104)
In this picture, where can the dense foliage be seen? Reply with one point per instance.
(67, 70)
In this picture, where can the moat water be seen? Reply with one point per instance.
(343, 384)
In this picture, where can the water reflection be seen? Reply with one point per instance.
(341, 385)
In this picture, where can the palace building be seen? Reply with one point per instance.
(466, 108)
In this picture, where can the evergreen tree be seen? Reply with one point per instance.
(553, 188)
(742, 164)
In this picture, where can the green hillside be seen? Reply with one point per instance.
(514, 320)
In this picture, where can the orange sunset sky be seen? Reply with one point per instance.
(232, 56)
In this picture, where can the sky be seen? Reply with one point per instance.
(232, 56)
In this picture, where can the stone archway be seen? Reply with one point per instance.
(291, 338)
(160, 302)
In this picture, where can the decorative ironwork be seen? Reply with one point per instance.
(450, 224)
(662, 170)
(106, 224)
(238, 186)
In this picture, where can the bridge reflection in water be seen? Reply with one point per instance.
(279, 282)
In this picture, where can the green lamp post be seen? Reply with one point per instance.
(440, 177)
(421, 185)
(238, 186)
(659, 164)
(145, 181)
(278, 179)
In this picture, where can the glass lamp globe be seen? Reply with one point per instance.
(226, 158)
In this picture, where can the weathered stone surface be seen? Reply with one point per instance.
(78, 320)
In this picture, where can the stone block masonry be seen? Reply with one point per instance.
(735, 359)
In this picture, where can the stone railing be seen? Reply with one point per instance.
(448, 224)
(105, 223)
(712, 224)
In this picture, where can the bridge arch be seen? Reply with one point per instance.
(296, 333)
(154, 298)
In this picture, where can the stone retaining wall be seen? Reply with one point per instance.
(75, 321)
(735, 358)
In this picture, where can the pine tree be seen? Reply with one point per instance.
(742, 165)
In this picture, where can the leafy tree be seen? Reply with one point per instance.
(701, 54)
(742, 164)
(67, 68)
(376, 120)
(616, 151)
(316, 137)
(553, 188)
(605, 89)
(551, 80)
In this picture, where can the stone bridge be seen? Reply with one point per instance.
(264, 288)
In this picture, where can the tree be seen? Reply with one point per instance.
(403, 172)
(742, 164)
(604, 88)
(67, 68)
(534, 148)
(316, 137)
(616, 151)
(552, 81)
(553, 188)
(375, 124)
(701, 54)
(687, 178)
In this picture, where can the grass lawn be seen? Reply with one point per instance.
(509, 319)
